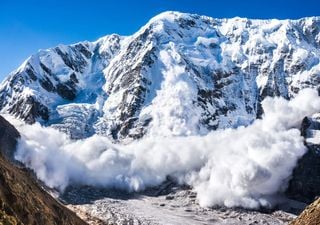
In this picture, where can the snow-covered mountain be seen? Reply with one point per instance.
(180, 74)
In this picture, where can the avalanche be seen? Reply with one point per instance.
(248, 166)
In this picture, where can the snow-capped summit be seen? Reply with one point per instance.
(180, 74)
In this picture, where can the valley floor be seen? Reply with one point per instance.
(161, 206)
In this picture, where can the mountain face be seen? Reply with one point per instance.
(179, 75)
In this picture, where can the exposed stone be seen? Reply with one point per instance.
(8, 139)
(66, 91)
(305, 182)
(310, 216)
(47, 84)
(29, 109)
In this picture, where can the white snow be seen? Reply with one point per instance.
(245, 167)
(171, 109)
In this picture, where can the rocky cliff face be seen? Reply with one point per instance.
(22, 200)
(180, 74)
(305, 182)
(8, 137)
(310, 216)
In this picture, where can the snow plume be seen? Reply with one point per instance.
(245, 167)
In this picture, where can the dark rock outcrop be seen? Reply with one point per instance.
(8, 139)
(305, 182)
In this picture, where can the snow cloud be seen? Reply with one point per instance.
(245, 167)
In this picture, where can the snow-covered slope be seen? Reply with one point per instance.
(179, 75)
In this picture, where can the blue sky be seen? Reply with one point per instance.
(28, 25)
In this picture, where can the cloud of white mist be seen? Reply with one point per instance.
(244, 167)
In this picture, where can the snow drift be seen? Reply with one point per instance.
(247, 166)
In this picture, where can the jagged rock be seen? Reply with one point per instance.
(8, 139)
(310, 216)
(305, 182)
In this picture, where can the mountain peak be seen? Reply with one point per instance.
(169, 16)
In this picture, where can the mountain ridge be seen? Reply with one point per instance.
(117, 86)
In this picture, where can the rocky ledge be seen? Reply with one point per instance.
(310, 216)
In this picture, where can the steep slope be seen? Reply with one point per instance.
(44, 87)
(310, 216)
(180, 74)
(22, 201)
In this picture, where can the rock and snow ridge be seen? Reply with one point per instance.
(179, 75)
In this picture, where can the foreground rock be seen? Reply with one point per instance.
(310, 216)
(22, 200)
